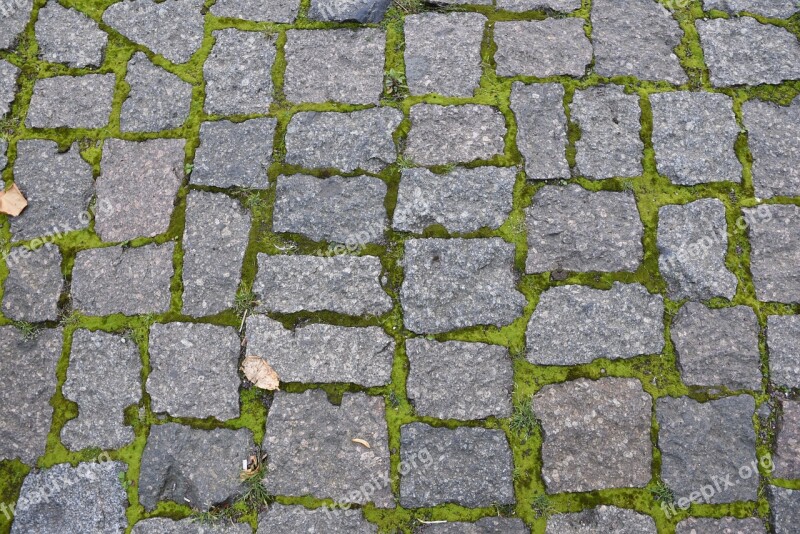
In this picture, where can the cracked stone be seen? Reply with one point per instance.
(13, 19)
(542, 48)
(162, 525)
(775, 147)
(68, 36)
(783, 342)
(784, 509)
(234, 154)
(531, 5)
(71, 101)
(281, 519)
(33, 285)
(775, 253)
(782, 9)
(541, 129)
(8, 89)
(486, 525)
(726, 525)
(364, 11)
(787, 446)
(257, 10)
(159, 100)
(601, 519)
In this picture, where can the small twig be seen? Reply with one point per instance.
(244, 317)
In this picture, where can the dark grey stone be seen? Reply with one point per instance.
(366, 11)
(787, 442)
(8, 86)
(530, 5)
(162, 525)
(541, 129)
(14, 16)
(71, 101)
(783, 343)
(280, 519)
(542, 48)
(68, 36)
(486, 525)
(725, 525)
(33, 285)
(782, 9)
(601, 519)
(774, 146)
(234, 154)
(784, 508)
(258, 10)
(159, 100)
(775, 253)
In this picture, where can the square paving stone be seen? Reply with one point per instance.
(542, 48)
(463, 200)
(194, 370)
(344, 141)
(140, 180)
(486, 525)
(784, 509)
(214, 242)
(123, 280)
(162, 525)
(365, 11)
(234, 154)
(530, 5)
(281, 519)
(725, 525)
(482, 374)
(573, 325)
(541, 129)
(309, 443)
(775, 147)
(572, 229)
(457, 283)
(775, 252)
(601, 519)
(783, 343)
(103, 378)
(68, 36)
(342, 210)
(692, 244)
(787, 446)
(238, 73)
(743, 51)
(470, 467)
(158, 100)
(71, 101)
(323, 353)
(704, 446)
(455, 134)
(338, 65)
(717, 347)
(33, 285)
(694, 136)
(196, 468)
(610, 145)
(27, 382)
(8, 85)
(586, 424)
(341, 284)
(443, 53)
(257, 10)
(782, 9)
(13, 19)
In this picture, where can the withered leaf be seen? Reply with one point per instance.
(260, 373)
(12, 202)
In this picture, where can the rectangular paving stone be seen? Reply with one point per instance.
(784, 509)
(787, 446)
(71, 101)
(281, 519)
(257, 10)
(162, 525)
(541, 129)
(782, 9)
(602, 519)
(725, 525)
(68, 36)
(33, 286)
(486, 525)
(530, 5)
(158, 100)
(13, 19)
(775, 147)
(542, 48)
(783, 343)
(775, 252)
(8, 85)
(364, 11)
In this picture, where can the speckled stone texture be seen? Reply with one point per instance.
(541, 129)
(486, 525)
(782, 9)
(159, 100)
(8, 86)
(13, 18)
(725, 525)
(542, 48)
(787, 443)
(601, 519)
(783, 344)
(280, 519)
(367, 11)
(775, 240)
(71, 102)
(34, 284)
(68, 36)
(234, 154)
(3, 157)
(784, 509)
(775, 147)
(161, 525)
(529, 5)
(257, 10)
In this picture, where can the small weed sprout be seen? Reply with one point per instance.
(408, 7)
(542, 507)
(245, 301)
(395, 84)
(27, 329)
(404, 162)
(662, 493)
(523, 421)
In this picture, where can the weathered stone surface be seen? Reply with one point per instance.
(27, 382)
(626, 46)
(774, 146)
(162, 525)
(456, 283)
(238, 73)
(784, 508)
(214, 243)
(234, 154)
(443, 53)
(196, 468)
(338, 65)
(486, 525)
(344, 141)
(3, 158)
(787, 446)
(280, 519)
(173, 28)
(782, 9)
(572, 229)
(775, 252)
(725, 525)
(8, 87)
(471, 467)
(542, 48)
(482, 374)
(610, 145)
(741, 50)
(194, 370)
(13, 18)
(258, 10)
(717, 347)
(463, 200)
(341, 284)
(309, 445)
(103, 379)
(68, 36)
(130, 281)
(783, 343)
(530, 5)
(575, 324)
(322, 353)
(71, 101)
(694, 136)
(541, 129)
(159, 100)
(704, 442)
(85, 498)
(454, 134)
(33, 285)
(692, 244)
(342, 210)
(367, 11)
(601, 519)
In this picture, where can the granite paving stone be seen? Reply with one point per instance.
(8, 85)
(551, 47)
(774, 146)
(541, 129)
(787, 446)
(257, 10)
(68, 36)
(784, 509)
(782, 9)
(530, 5)
(601, 519)
(486, 525)
(783, 344)
(162, 525)
(725, 525)
(34, 285)
(234, 154)
(158, 100)
(775, 241)
(13, 18)
(3, 157)
(71, 101)
(366, 11)
(282, 519)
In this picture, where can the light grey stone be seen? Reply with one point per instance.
(470, 467)
(238, 73)
(8, 87)
(455, 134)
(33, 285)
(463, 200)
(341, 284)
(234, 154)
(574, 325)
(725, 525)
(443, 53)
(27, 382)
(782, 9)
(601, 519)
(257, 10)
(784, 509)
(196, 468)
(172, 28)
(457, 283)
(775, 147)
(14, 16)
(310, 450)
(530, 5)
(71, 101)
(3, 157)
(343, 141)
(486, 525)
(623, 46)
(342, 210)
(365, 11)
(572, 229)
(787, 443)
(775, 253)
(129, 281)
(482, 374)
(68, 36)
(742, 51)
(103, 379)
(783, 342)
(159, 100)
(542, 48)
(194, 370)
(541, 129)
(214, 243)
(190, 525)
(704, 442)
(323, 353)
(281, 519)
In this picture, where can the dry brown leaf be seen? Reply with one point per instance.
(12, 202)
(361, 442)
(260, 373)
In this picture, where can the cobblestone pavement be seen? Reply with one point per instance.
(522, 266)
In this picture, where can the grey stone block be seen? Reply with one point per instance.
(68, 36)
(280, 519)
(33, 285)
(530, 5)
(3, 158)
(159, 100)
(8, 86)
(234, 154)
(784, 509)
(783, 343)
(365, 11)
(257, 10)
(190, 525)
(542, 48)
(486, 525)
(541, 129)
(774, 146)
(787, 442)
(782, 9)
(13, 19)
(775, 240)
(71, 101)
(725, 525)
(601, 519)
